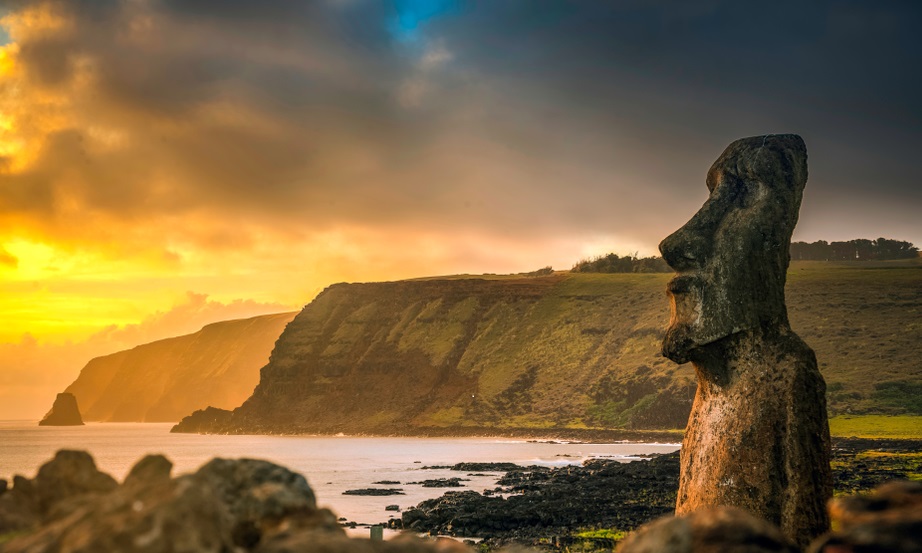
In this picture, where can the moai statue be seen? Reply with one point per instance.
(758, 436)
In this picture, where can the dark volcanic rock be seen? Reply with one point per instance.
(487, 467)
(601, 493)
(757, 437)
(375, 491)
(64, 412)
(441, 483)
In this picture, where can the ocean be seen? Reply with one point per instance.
(331, 464)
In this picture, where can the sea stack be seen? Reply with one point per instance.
(757, 437)
(64, 412)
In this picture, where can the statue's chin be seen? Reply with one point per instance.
(678, 343)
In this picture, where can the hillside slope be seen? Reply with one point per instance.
(568, 350)
(164, 380)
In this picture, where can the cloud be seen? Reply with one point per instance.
(206, 126)
(32, 372)
(266, 149)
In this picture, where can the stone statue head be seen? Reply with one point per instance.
(732, 256)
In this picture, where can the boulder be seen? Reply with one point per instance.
(889, 519)
(64, 412)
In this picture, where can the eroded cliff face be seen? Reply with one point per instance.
(166, 380)
(564, 350)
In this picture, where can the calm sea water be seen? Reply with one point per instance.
(331, 465)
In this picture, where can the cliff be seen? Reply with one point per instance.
(164, 380)
(568, 350)
(64, 412)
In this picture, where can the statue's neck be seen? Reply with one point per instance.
(719, 362)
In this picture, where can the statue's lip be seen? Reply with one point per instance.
(682, 283)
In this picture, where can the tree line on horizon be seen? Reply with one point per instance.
(860, 249)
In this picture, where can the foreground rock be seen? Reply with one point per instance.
(887, 520)
(757, 437)
(227, 505)
(62, 483)
(64, 412)
(710, 530)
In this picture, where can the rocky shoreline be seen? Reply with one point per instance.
(553, 508)
(249, 505)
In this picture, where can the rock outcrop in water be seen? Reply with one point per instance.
(166, 380)
(757, 437)
(64, 412)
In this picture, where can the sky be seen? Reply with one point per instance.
(168, 163)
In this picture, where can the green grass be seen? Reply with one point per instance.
(603, 533)
(877, 426)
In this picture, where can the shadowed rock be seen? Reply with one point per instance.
(151, 469)
(64, 412)
(712, 530)
(887, 520)
(757, 437)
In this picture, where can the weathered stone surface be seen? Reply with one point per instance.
(757, 437)
(887, 520)
(64, 412)
(709, 530)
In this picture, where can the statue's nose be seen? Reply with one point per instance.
(685, 249)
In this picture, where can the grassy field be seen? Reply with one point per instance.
(876, 426)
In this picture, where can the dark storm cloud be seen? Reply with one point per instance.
(517, 117)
